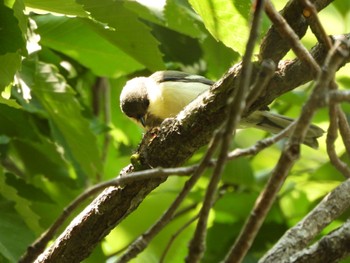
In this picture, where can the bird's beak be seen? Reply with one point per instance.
(143, 121)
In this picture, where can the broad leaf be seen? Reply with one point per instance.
(78, 39)
(126, 31)
(13, 24)
(64, 113)
(16, 215)
(181, 18)
(225, 20)
(11, 38)
(66, 7)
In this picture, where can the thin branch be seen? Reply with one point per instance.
(274, 45)
(310, 12)
(298, 237)
(291, 37)
(339, 95)
(288, 157)
(114, 204)
(344, 130)
(107, 116)
(39, 245)
(263, 78)
(261, 145)
(236, 105)
(142, 242)
(332, 135)
(331, 248)
(175, 235)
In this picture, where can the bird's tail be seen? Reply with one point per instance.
(275, 123)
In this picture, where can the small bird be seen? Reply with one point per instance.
(150, 100)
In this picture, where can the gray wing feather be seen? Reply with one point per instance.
(173, 75)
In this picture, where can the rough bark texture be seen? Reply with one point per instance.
(171, 146)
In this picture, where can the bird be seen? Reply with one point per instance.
(150, 100)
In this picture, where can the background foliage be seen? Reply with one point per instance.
(62, 67)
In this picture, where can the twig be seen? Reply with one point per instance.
(236, 105)
(288, 157)
(331, 248)
(297, 237)
(291, 37)
(332, 135)
(265, 74)
(141, 243)
(185, 210)
(344, 130)
(107, 116)
(310, 12)
(261, 145)
(39, 245)
(273, 45)
(339, 95)
(176, 215)
(175, 235)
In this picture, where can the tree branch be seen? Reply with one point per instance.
(331, 248)
(298, 237)
(177, 144)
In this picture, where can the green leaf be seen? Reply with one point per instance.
(37, 154)
(43, 158)
(234, 206)
(16, 216)
(26, 190)
(181, 18)
(129, 34)
(11, 38)
(64, 113)
(10, 102)
(239, 171)
(342, 6)
(13, 26)
(225, 20)
(145, 12)
(77, 38)
(15, 236)
(9, 64)
(18, 9)
(178, 47)
(67, 7)
(218, 57)
(16, 123)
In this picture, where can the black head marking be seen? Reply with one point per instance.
(134, 100)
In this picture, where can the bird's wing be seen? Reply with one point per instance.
(179, 76)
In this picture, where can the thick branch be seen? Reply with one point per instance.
(331, 248)
(274, 46)
(176, 140)
(298, 237)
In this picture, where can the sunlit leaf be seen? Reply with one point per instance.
(78, 39)
(129, 33)
(227, 21)
(67, 7)
(181, 18)
(16, 216)
(64, 112)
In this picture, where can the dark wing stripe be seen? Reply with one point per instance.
(265, 122)
(178, 76)
(200, 80)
